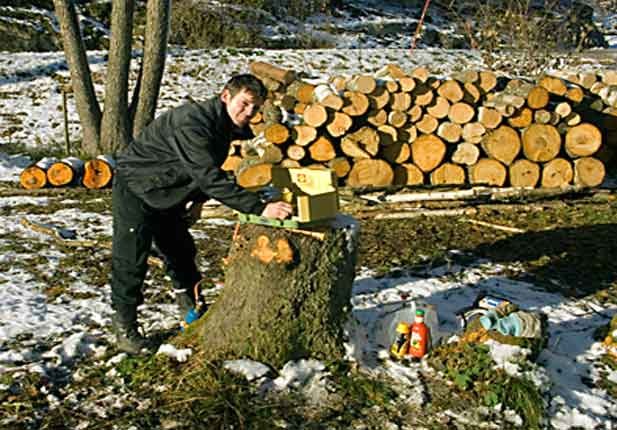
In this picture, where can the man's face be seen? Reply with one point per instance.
(241, 107)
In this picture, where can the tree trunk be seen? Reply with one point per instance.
(466, 153)
(524, 173)
(153, 66)
(115, 128)
(35, 175)
(522, 118)
(473, 132)
(339, 124)
(439, 108)
(296, 152)
(253, 174)
(266, 70)
(554, 85)
(67, 171)
(356, 103)
(315, 115)
(364, 84)
(489, 118)
(325, 96)
(502, 144)
(340, 166)
(397, 118)
(488, 81)
(427, 124)
(369, 172)
(588, 172)
(397, 153)
(473, 93)
(448, 174)
(380, 98)
(363, 143)
(537, 98)
(377, 117)
(487, 172)
(387, 134)
(303, 134)
(98, 172)
(461, 113)
(541, 142)
(557, 173)
(427, 152)
(276, 133)
(400, 101)
(286, 296)
(451, 90)
(449, 131)
(81, 80)
(322, 149)
(408, 174)
(583, 140)
(301, 91)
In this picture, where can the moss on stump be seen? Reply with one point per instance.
(286, 297)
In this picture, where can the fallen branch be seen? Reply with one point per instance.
(419, 213)
(481, 194)
(67, 237)
(495, 226)
(60, 191)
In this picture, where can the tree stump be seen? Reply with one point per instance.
(286, 295)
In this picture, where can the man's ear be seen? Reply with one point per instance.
(225, 96)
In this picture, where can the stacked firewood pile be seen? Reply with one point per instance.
(70, 171)
(411, 128)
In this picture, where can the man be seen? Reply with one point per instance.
(162, 179)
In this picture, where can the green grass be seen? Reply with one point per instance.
(471, 369)
(203, 395)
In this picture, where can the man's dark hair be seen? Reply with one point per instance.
(246, 82)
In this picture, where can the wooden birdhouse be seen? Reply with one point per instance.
(312, 192)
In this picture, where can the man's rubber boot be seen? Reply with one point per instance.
(128, 338)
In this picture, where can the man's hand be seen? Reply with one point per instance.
(278, 210)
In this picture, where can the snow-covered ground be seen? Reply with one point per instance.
(51, 336)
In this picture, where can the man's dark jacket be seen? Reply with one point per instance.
(177, 159)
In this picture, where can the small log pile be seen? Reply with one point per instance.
(409, 128)
(70, 171)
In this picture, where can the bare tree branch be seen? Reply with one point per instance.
(81, 79)
(153, 65)
(115, 128)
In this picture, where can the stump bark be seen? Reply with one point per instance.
(286, 295)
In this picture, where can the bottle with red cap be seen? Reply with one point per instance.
(420, 336)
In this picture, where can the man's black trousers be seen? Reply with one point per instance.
(135, 227)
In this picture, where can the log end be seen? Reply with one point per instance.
(32, 178)
(97, 174)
